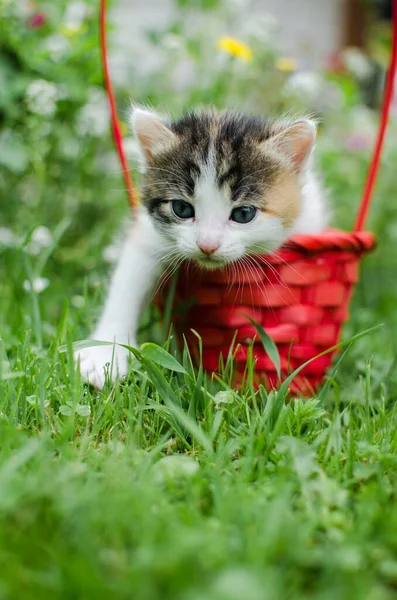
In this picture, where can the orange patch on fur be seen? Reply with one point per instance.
(283, 200)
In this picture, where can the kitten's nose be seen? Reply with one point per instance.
(208, 248)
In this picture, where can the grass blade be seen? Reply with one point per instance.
(284, 386)
(268, 344)
(161, 357)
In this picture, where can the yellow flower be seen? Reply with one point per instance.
(235, 48)
(285, 64)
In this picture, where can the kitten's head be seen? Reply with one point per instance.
(222, 185)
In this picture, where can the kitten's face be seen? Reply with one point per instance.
(221, 186)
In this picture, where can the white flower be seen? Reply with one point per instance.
(261, 26)
(33, 249)
(38, 285)
(173, 42)
(41, 97)
(42, 236)
(76, 12)
(57, 45)
(71, 147)
(93, 118)
(7, 237)
(78, 301)
(357, 62)
(307, 85)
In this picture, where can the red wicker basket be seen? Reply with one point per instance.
(300, 294)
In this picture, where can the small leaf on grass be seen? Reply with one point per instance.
(161, 357)
(66, 410)
(224, 397)
(84, 344)
(268, 345)
(84, 410)
(35, 401)
(163, 387)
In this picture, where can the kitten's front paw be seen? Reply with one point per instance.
(99, 362)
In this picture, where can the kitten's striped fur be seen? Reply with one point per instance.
(202, 175)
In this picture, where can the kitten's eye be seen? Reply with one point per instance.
(243, 214)
(182, 209)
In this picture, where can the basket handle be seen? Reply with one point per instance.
(376, 156)
(373, 169)
(116, 129)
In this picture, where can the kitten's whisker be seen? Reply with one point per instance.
(263, 288)
(269, 266)
(167, 275)
(251, 272)
(230, 273)
(275, 289)
(275, 253)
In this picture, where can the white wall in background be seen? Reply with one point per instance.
(309, 29)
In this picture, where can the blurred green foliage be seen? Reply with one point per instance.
(97, 498)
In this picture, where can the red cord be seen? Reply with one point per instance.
(118, 139)
(375, 161)
(384, 120)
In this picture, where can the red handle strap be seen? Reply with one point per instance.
(375, 161)
(384, 121)
(117, 136)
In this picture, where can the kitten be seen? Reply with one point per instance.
(217, 186)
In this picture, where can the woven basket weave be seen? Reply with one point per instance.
(300, 295)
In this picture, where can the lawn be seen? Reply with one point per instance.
(171, 485)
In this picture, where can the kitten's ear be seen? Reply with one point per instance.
(295, 142)
(153, 136)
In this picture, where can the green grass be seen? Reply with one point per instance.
(171, 486)
(175, 491)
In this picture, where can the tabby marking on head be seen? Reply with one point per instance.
(217, 187)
